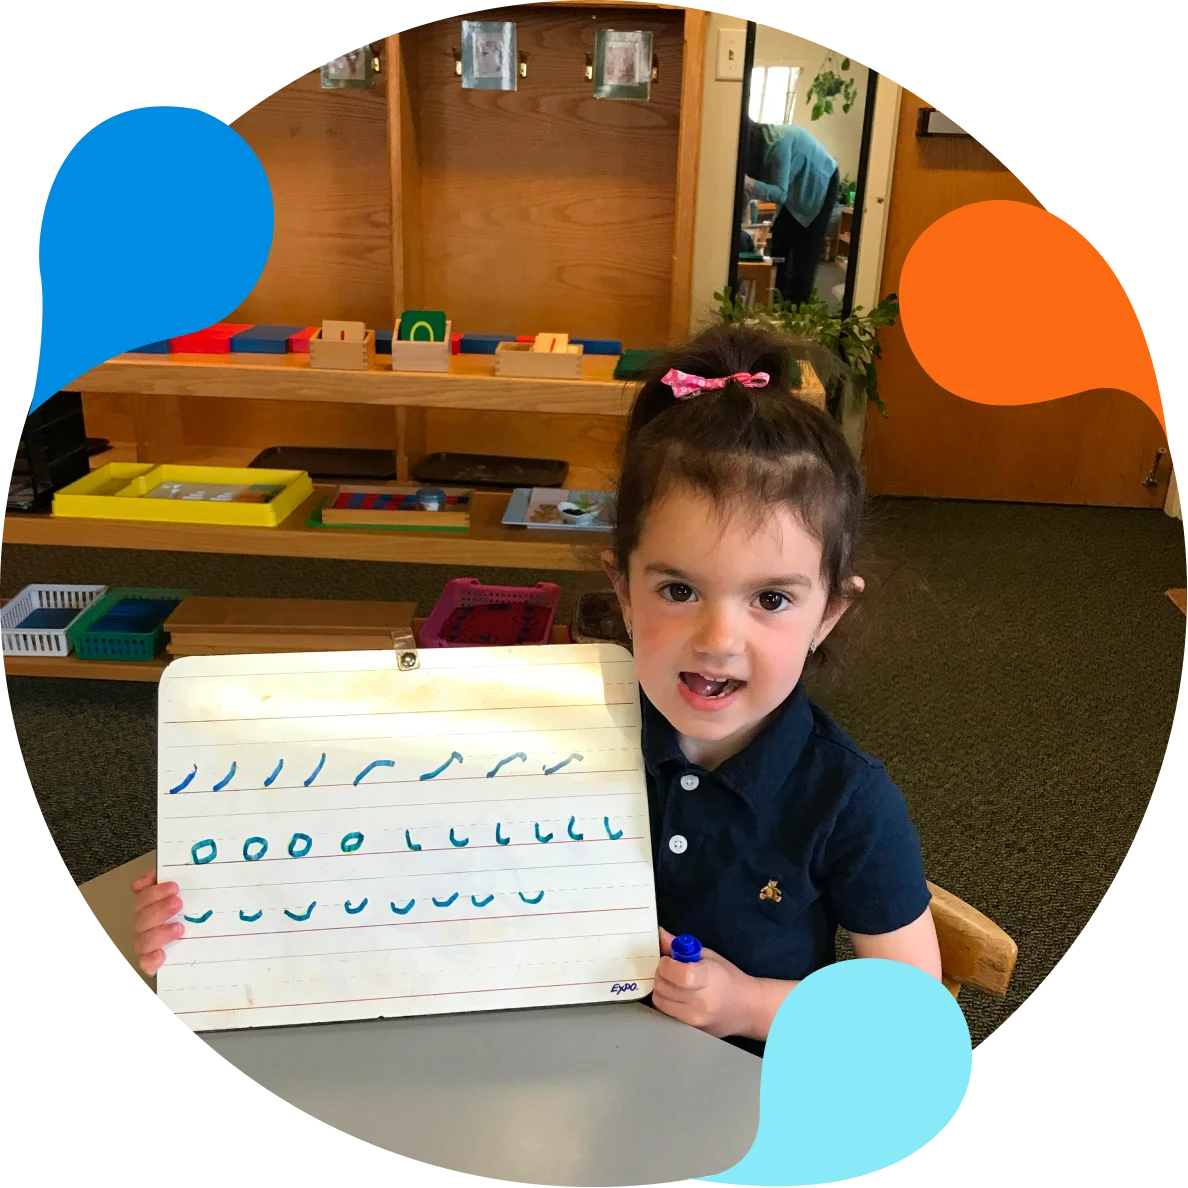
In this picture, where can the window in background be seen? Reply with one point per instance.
(773, 93)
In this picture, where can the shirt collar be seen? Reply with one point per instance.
(759, 771)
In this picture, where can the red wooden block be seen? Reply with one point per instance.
(299, 343)
(455, 344)
(214, 340)
(525, 338)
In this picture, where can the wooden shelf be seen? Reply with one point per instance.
(487, 543)
(471, 383)
(72, 668)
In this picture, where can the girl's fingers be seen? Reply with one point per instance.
(151, 962)
(145, 880)
(155, 914)
(687, 975)
(152, 895)
(157, 938)
(665, 942)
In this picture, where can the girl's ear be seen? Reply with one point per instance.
(838, 607)
(618, 581)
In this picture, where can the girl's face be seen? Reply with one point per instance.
(723, 610)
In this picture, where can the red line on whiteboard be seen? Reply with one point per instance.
(436, 922)
(395, 997)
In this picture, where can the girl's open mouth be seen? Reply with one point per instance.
(708, 692)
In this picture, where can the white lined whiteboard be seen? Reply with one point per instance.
(352, 841)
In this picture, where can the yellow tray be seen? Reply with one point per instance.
(116, 492)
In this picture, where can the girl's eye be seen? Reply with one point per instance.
(773, 600)
(677, 592)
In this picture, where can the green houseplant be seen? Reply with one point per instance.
(828, 85)
(843, 351)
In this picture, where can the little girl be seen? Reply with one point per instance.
(738, 509)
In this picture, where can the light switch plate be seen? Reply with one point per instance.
(732, 46)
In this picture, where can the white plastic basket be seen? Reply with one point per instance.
(43, 641)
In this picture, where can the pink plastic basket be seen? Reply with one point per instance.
(495, 630)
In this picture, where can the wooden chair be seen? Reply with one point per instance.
(974, 950)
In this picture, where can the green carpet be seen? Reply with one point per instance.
(1015, 666)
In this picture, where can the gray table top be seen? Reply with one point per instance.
(587, 1095)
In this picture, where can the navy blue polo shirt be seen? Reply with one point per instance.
(762, 858)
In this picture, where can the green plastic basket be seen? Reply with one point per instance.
(120, 645)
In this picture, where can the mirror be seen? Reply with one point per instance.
(802, 148)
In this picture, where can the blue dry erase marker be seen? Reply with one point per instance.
(686, 948)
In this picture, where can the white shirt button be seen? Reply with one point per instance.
(689, 782)
(678, 844)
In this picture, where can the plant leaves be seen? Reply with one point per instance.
(845, 64)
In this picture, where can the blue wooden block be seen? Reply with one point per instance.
(483, 344)
(153, 348)
(383, 342)
(263, 340)
(598, 346)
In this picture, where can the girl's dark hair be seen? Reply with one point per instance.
(746, 448)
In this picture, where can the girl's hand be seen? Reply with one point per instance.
(711, 994)
(154, 905)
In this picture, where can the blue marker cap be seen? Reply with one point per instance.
(686, 948)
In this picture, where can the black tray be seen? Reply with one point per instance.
(330, 464)
(598, 619)
(490, 470)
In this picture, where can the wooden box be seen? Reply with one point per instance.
(342, 346)
(520, 360)
(422, 356)
(203, 626)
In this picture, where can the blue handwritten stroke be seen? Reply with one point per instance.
(313, 775)
(208, 844)
(356, 909)
(494, 770)
(261, 844)
(408, 841)
(300, 844)
(547, 837)
(275, 772)
(500, 840)
(186, 782)
(226, 779)
(404, 910)
(351, 842)
(618, 833)
(372, 766)
(250, 919)
(481, 902)
(206, 915)
(569, 829)
(539, 896)
(300, 917)
(564, 762)
(444, 902)
(458, 841)
(454, 758)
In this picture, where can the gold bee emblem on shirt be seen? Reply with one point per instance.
(772, 892)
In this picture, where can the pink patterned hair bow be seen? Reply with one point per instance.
(685, 386)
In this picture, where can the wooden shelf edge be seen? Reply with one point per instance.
(71, 667)
(488, 543)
